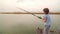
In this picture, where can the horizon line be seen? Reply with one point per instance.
(28, 13)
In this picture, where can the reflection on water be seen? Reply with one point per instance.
(25, 23)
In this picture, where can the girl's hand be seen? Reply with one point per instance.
(44, 19)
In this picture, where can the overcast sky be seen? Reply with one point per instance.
(30, 5)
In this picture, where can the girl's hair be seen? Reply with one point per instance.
(46, 10)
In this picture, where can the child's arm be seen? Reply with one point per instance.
(44, 19)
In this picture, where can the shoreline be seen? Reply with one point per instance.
(28, 13)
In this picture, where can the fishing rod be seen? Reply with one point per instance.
(29, 12)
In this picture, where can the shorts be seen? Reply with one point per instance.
(46, 29)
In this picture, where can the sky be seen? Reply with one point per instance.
(29, 5)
